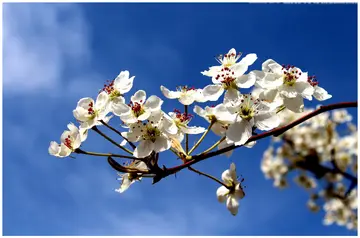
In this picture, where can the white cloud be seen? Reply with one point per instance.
(37, 40)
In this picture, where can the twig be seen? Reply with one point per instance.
(111, 140)
(209, 176)
(119, 133)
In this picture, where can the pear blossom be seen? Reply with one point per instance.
(218, 115)
(305, 181)
(90, 113)
(186, 95)
(229, 76)
(319, 93)
(118, 87)
(341, 116)
(250, 112)
(128, 179)
(231, 196)
(152, 135)
(289, 81)
(138, 109)
(181, 121)
(70, 141)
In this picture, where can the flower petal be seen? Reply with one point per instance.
(102, 100)
(239, 132)
(221, 194)
(161, 144)
(120, 109)
(144, 149)
(187, 99)
(321, 94)
(139, 97)
(249, 59)
(169, 94)
(267, 121)
(294, 104)
(154, 103)
(213, 92)
(225, 144)
(246, 81)
(192, 129)
(232, 205)
(305, 89)
(123, 83)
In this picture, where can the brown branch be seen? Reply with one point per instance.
(275, 132)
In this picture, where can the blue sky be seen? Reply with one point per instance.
(55, 54)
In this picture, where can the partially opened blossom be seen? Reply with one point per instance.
(89, 113)
(218, 115)
(250, 112)
(181, 121)
(229, 76)
(186, 95)
(233, 195)
(118, 87)
(70, 141)
(152, 135)
(138, 109)
(128, 179)
(289, 81)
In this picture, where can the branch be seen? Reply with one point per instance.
(209, 176)
(119, 133)
(275, 132)
(80, 151)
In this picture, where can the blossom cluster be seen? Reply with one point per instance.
(149, 130)
(319, 154)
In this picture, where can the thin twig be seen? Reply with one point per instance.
(79, 151)
(111, 140)
(119, 133)
(201, 138)
(209, 176)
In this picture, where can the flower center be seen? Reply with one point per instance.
(183, 118)
(91, 112)
(228, 60)
(185, 88)
(290, 74)
(227, 78)
(151, 133)
(110, 90)
(312, 80)
(136, 108)
(249, 107)
(68, 142)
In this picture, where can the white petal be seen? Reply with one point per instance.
(226, 177)
(321, 94)
(249, 59)
(246, 81)
(233, 172)
(200, 97)
(288, 91)
(128, 118)
(102, 100)
(139, 97)
(239, 68)
(239, 132)
(305, 89)
(271, 65)
(64, 151)
(225, 144)
(146, 114)
(218, 129)
(144, 149)
(131, 136)
(221, 193)
(54, 148)
(125, 183)
(187, 99)
(222, 114)
(169, 94)
(267, 121)
(154, 103)
(232, 205)
(120, 109)
(201, 112)
(161, 144)
(267, 80)
(123, 83)
(231, 95)
(192, 129)
(250, 144)
(239, 192)
(294, 104)
(213, 92)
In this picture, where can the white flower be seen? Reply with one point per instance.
(219, 115)
(229, 76)
(182, 120)
(305, 181)
(139, 108)
(319, 93)
(341, 116)
(118, 87)
(185, 94)
(89, 113)
(250, 112)
(129, 178)
(230, 196)
(70, 141)
(153, 135)
(289, 81)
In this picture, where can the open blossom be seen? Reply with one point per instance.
(290, 82)
(89, 113)
(152, 135)
(186, 95)
(341, 116)
(218, 115)
(118, 87)
(70, 141)
(234, 194)
(128, 179)
(138, 109)
(182, 120)
(250, 112)
(229, 76)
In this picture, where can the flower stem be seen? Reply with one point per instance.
(209, 176)
(111, 140)
(281, 108)
(186, 135)
(118, 132)
(214, 145)
(79, 151)
(201, 138)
